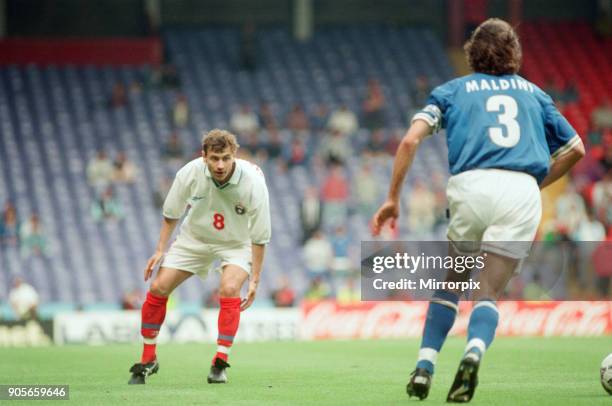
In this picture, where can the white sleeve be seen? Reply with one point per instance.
(260, 227)
(177, 200)
(432, 115)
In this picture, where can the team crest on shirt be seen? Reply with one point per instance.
(240, 209)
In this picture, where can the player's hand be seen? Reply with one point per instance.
(250, 297)
(152, 263)
(388, 211)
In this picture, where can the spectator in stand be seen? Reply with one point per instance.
(553, 90)
(274, 146)
(170, 77)
(297, 120)
(569, 92)
(602, 257)
(100, 171)
(132, 300)
(250, 143)
(420, 91)
(605, 161)
(124, 169)
(601, 116)
(24, 300)
(180, 111)
(373, 106)
(602, 199)
(335, 148)
(421, 210)
(590, 231)
(267, 117)
(107, 206)
(376, 145)
(173, 152)
(343, 121)
(341, 264)
(118, 96)
(244, 122)
(367, 191)
(319, 117)
(419, 94)
(283, 295)
(310, 213)
(534, 290)
(570, 209)
(393, 142)
(135, 87)
(349, 292)
(297, 153)
(317, 290)
(32, 237)
(335, 194)
(318, 257)
(9, 226)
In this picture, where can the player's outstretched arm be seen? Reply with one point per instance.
(258, 251)
(563, 164)
(167, 228)
(403, 160)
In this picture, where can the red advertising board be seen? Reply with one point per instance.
(330, 320)
(96, 51)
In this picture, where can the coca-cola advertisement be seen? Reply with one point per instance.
(365, 320)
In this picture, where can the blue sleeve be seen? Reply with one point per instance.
(560, 135)
(435, 107)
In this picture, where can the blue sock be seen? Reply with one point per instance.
(440, 319)
(481, 328)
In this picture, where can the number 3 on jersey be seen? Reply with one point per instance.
(508, 110)
(219, 221)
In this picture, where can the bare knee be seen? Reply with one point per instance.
(229, 289)
(159, 288)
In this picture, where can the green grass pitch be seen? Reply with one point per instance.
(516, 371)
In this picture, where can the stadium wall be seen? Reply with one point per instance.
(76, 18)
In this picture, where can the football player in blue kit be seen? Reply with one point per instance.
(506, 141)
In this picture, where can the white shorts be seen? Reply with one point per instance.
(191, 255)
(500, 208)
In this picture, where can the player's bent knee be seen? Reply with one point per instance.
(159, 289)
(229, 290)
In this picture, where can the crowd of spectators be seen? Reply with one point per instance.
(583, 208)
(103, 175)
(324, 138)
(28, 236)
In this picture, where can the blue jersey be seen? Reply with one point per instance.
(502, 122)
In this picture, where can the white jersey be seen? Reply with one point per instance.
(236, 213)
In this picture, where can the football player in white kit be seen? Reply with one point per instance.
(228, 220)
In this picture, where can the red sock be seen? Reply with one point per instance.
(229, 318)
(153, 314)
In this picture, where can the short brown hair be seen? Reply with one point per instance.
(217, 140)
(494, 48)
